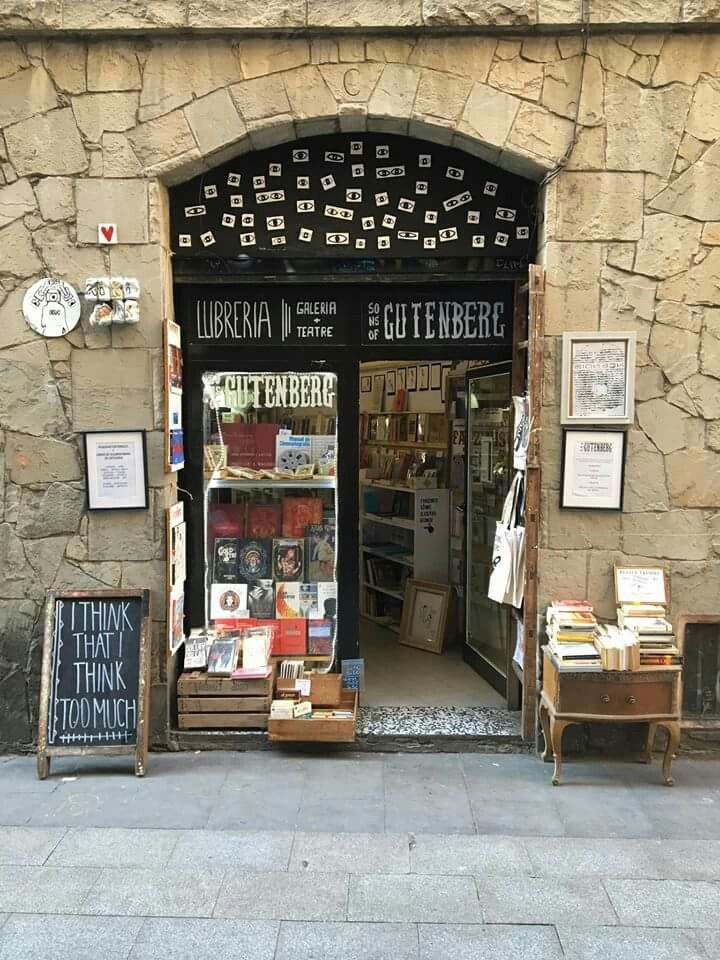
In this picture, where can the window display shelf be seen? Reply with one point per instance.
(311, 483)
(390, 593)
(400, 488)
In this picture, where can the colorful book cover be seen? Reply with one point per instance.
(228, 601)
(292, 450)
(290, 638)
(287, 601)
(288, 560)
(309, 600)
(223, 656)
(264, 520)
(321, 551)
(353, 674)
(177, 447)
(298, 513)
(327, 601)
(261, 599)
(320, 637)
(225, 560)
(226, 520)
(254, 559)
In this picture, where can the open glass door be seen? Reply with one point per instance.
(489, 450)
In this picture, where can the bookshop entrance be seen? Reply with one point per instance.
(338, 299)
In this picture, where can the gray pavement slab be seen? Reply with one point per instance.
(18, 809)
(114, 846)
(534, 900)
(45, 889)
(482, 856)
(68, 938)
(630, 943)
(29, 846)
(588, 811)
(342, 795)
(349, 941)
(686, 858)
(426, 793)
(282, 896)
(351, 852)
(587, 857)
(519, 818)
(412, 899)
(192, 939)
(709, 940)
(665, 903)
(256, 850)
(446, 941)
(161, 892)
(253, 800)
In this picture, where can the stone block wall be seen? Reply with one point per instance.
(93, 127)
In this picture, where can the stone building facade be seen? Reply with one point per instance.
(105, 104)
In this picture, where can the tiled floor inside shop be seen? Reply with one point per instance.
(410, 692)
(283, 856)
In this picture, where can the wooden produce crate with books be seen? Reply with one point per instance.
(221, 703)
(333, 718)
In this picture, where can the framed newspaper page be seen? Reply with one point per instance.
(598, 379)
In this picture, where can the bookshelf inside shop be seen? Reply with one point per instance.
(404, 499)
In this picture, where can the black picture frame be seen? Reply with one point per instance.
(435, 376)
(365, 383)
(411, 379)
(141, 439)
(401, 378)
(423, 377)
(619, 436)
(390, 383)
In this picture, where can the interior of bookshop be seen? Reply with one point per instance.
(433, 461)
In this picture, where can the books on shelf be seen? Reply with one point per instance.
(298, 513)
(320, 551)
(576, 656)
(288, 560)
(264, 520)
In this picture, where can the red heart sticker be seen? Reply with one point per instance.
(108, 232)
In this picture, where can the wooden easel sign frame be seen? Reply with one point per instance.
(95, 681)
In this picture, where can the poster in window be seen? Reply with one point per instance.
(423, 378)
(435, 376)
(593, 463)
(411, 378)
(390, 383)
(598, 378)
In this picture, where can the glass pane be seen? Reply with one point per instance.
(270, 496)
(488, 464)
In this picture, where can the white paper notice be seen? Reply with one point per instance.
(117, 470)
(599, 376)
(593, 478)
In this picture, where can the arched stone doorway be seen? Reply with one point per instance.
(350, 210)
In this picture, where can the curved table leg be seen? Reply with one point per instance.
(650, 743)
(557, 728)
(544, 714)
(673, 729)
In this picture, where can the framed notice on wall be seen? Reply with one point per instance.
(174, 436)
(593, 466)
(598, 378)
(116, 470)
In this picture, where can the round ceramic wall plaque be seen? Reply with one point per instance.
(51, 308)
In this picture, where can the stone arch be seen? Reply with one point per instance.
(521, 130)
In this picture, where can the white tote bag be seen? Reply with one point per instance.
(507, 577)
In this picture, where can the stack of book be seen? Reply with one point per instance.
(571, 629)
(654, 633)
(618, 648)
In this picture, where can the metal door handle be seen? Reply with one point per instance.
(605, 698)
(630, 699)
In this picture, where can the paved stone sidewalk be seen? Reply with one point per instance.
(267, 856)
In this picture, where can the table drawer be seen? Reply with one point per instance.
(615, 699)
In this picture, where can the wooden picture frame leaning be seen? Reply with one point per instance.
(424, 615)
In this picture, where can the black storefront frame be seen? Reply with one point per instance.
(343, 360)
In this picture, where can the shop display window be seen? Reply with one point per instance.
(270, 443)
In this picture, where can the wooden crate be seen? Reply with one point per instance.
(318, 731)
(220, 703)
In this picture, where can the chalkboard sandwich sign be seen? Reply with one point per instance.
(95, 685)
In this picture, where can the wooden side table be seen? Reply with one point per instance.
(612, 696)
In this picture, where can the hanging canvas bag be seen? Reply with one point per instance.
(507, 576)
